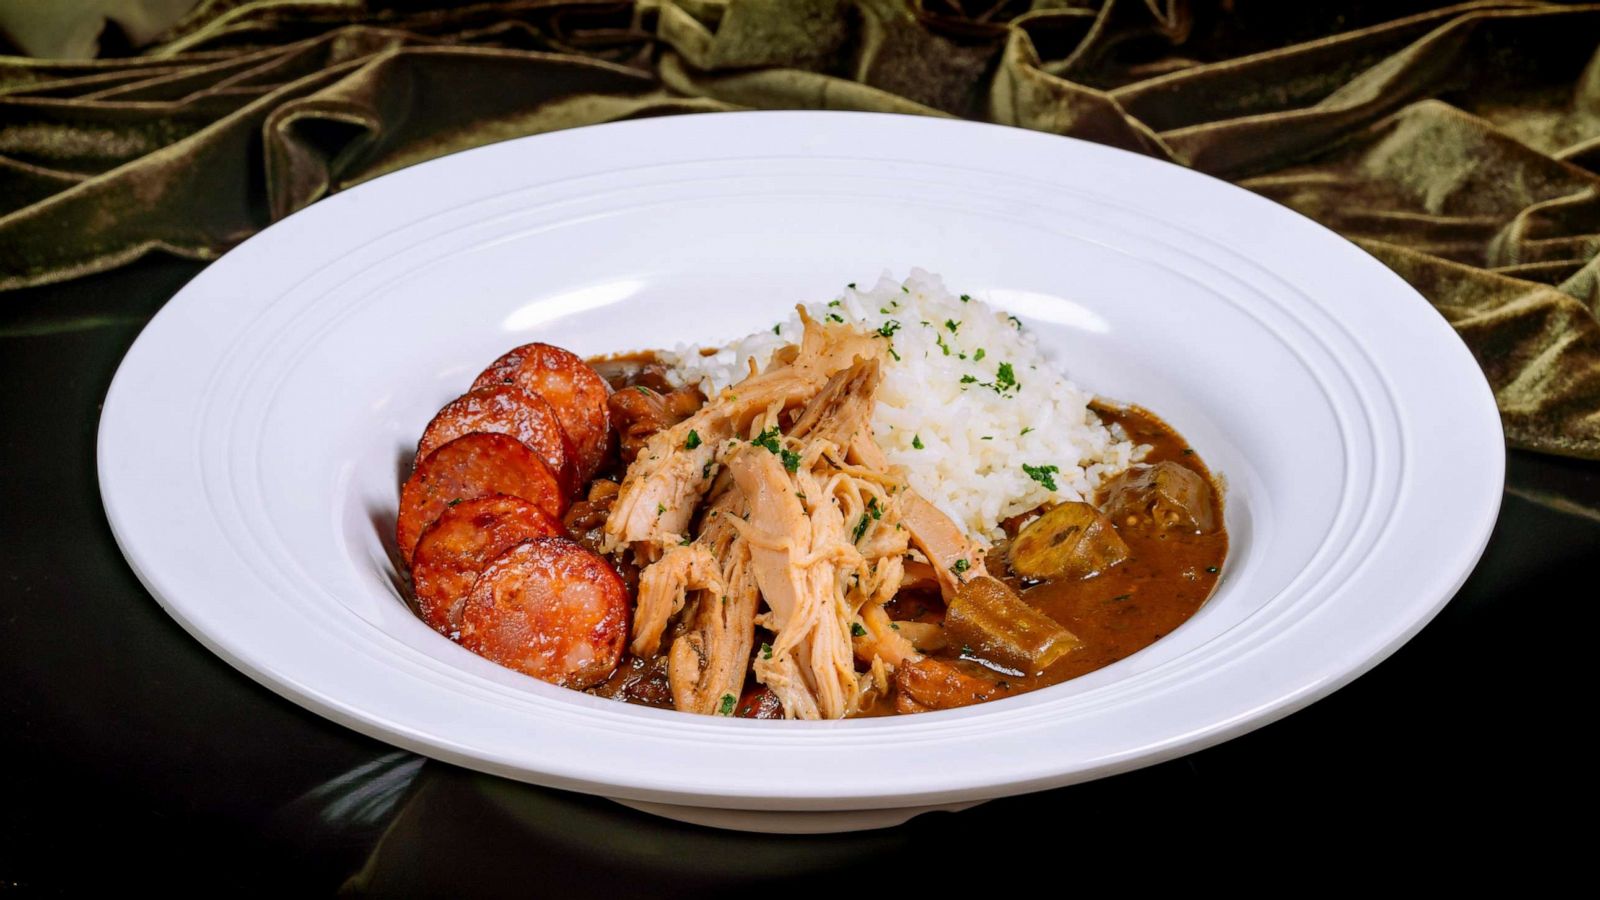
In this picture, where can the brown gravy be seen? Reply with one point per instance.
(1168, 576)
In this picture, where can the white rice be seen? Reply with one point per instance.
(946, 414)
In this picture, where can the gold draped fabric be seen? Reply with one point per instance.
(1459, 144)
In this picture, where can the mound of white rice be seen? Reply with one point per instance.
(980, 421)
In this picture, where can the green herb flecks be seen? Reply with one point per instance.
(791, 460)
(769, 440)
(1045, 475)
(953, 325)
(1005, 379)
(726, 707)
(888, 328)
(960, 566)
(766, 651)
(916, 441)
(978, 355)
(857, 630)
(692, 441)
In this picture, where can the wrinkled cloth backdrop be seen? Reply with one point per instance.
(1460, 145)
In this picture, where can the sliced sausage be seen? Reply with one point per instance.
(454, 549)
(550, 609)
(506, 409)
(574, 391)
(472, 466)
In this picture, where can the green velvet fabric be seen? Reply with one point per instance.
(1460, 145)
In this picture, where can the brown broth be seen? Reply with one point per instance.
(1166, 578)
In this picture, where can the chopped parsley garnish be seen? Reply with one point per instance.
(979, 355)
(939, 339)
(705, 471)
(1025, 431)
(776, 327)
(835, 317)
(857, 630)
(1042, 474)
(851, 285)
(894, 354)
(888, 328)
(766, 651)
(966, 298)
(726, 709)
(1015, 322)
(692, 441)
(1005, 379)
(904, 289)
(769, 440)
(455, 501)
(953, 325)
(642, 389)
(1211, 569)
(833, 303)
(961, 565)
(967, 379)
(791, 459)
(873, 512)
(987, 437)
(660, 508)
(916, 441)
(686, 540)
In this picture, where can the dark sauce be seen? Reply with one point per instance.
(1165, 580)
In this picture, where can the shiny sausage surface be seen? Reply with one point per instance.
(574, 391)
(456, 548)
(505, 409)
(551, 609)
(472, 466)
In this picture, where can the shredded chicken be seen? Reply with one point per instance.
(664, 586)
(709, 659)
(669, 477)
(808, 533)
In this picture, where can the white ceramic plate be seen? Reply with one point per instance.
(254, 437)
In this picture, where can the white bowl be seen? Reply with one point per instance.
(254, 437)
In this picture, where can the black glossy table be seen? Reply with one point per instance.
(134, 758)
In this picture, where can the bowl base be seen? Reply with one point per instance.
(791, 822)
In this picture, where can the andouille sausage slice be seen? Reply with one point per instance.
(550, 609)
(456, 547)
(504, 409)
(471, 466)
(574, 390)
